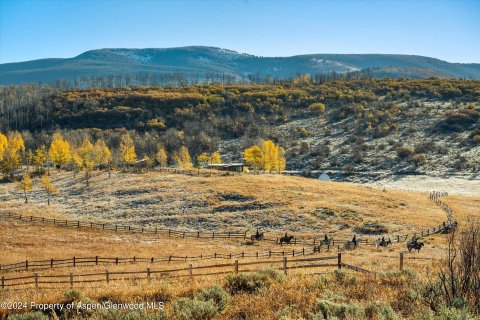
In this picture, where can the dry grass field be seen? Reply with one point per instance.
(242, 202)
(236, 203)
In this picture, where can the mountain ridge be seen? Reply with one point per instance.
(193, 60)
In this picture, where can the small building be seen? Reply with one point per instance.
(232, 167)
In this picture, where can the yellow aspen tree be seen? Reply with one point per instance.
(29, 159)
(25, 185)
(76, 163)
(103, 155)
(39, 158)
(215, 158)
(127, 149)
(48, 187)
(86, 154)
(15, 142)
(185, 158)
(3, 144)
(161, 156)
(254, 157)
(203, 159)
(59, 151)
(177, 159)
(269, 155)
(12, 154)
(280, 161)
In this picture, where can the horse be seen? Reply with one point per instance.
(326, 242)
(351, 245)
(415, 245)
(383, 243)
(257, 236)
(286, 239)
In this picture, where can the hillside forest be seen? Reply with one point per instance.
(397, 125)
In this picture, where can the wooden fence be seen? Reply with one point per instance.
(74, 279)
(97, 260)
(312, 240)
(436, 198)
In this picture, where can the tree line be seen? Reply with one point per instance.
(88, 156)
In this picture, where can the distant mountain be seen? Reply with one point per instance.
(201, 60)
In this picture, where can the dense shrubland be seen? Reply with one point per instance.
(267, 294)
(234, 117)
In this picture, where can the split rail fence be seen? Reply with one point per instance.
(97, 260)
(313, 240)
(73, 279)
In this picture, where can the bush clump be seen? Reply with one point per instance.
(371, 228)
(405, 151)
(37, 315)
(253, 282)
(114, 314)
(419, 159)
(187, 309)
(329, 309)
(381, 311)
(216, 294)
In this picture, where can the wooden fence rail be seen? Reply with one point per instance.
(313, 240)
(98, 260)
(148, 273)
(191, 271)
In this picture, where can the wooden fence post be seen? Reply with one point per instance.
(148, 273)
(190, 270)
(339, 260)
(116, 260)
(96, 260)
(107, 274)
(3, 282)
(401, 261)
(285, 265)
(26, 265)
(36, 280)
(51, 263)
(236, 266)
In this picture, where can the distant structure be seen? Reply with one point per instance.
(324, 177)
(232, 167)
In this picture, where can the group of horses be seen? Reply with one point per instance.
(414, 243)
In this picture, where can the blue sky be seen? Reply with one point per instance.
(445, 29)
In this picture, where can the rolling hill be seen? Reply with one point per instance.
(198, 60)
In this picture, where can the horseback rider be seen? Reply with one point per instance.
(414, 239)
(326, 239)
(258, 233)
(354, 240)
